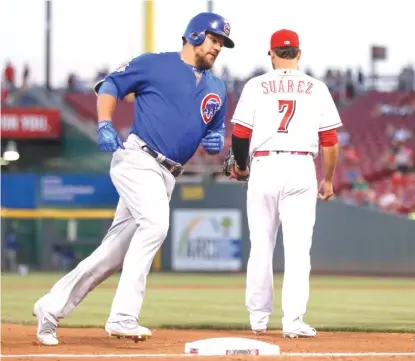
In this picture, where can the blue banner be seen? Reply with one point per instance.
(73, 190)
(23, 191)
(18, 191)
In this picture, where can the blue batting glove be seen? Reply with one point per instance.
(108, 138)
(213, 142)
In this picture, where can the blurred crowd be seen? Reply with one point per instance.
(395, 191)
(392, 191)
(343, 85)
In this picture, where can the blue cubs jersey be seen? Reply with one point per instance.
(171, 112)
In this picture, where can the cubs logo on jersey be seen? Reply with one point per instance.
(211, 103)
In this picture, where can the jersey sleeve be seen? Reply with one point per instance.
(131, 77)
(218, 123)
(329, 117)
(245, 109)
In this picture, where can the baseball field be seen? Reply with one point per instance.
(356, 318)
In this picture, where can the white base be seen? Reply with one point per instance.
(223, 346)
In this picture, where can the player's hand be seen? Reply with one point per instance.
(212, 142)
(108, 138)
(237, 173)
(326, 190)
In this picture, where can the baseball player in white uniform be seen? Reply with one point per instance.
(281, 120)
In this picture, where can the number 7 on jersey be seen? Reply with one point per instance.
(288, 108)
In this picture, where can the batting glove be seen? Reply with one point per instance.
(108, 138)
(213, 142)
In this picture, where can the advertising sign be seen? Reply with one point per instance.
(206, 240)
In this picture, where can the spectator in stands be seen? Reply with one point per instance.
(360, 184)
(11, 250)
(351, 161)
(55, 259)
(352, 174)
(309, 72)
(101, 74)
(344, 138)
(388, 201)
(410, 78)
(67, 258)
(387, 109)
(344, 141)
(238, 85)
(370, 199)
(73, 84)
(258, 72)
(25, 76)
(9, 77)
(387, 159)
(406, 79)
(404, 197)
(226, 77)
(410, 186)
(390, 131)
(329, 79)
(402, 134)
(362, 193)
(397, 136)
(360, 81)
(340, 87)
(347, 197)
(398, 180)
(404, 109)
(403, 160)
(350, 85)
(350, 155)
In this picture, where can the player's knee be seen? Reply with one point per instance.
(296, 260)
(101, 264)
(158, 227)
(160, 230)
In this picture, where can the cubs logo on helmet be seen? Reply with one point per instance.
(227, 28)
(211, 103)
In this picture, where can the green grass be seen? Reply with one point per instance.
(336, 303)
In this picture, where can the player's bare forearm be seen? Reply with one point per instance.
(105, 106)
(330, 155)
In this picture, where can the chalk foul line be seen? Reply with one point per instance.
(142, 355)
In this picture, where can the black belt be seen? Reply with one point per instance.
(175, 169)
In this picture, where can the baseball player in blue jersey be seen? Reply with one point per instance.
(179, 105)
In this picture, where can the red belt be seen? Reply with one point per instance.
(266, 153)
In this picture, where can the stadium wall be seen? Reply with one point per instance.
(209, 232)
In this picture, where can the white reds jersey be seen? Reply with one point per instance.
(286, 109)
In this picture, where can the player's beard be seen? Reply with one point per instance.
(202, 62)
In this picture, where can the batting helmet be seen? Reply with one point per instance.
(195, 32)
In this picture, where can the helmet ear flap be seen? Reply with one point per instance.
(194, 35)
(195, 38)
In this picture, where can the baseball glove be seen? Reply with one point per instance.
(229, 167)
